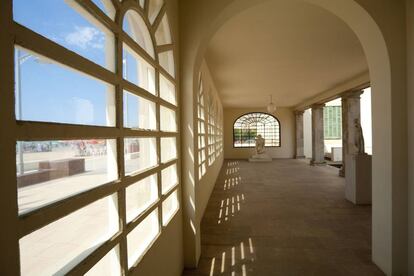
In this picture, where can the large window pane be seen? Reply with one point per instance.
(141, 237)
(59, 246)
(163, 34)
(108, 265)
(142, 3)
(168, 149)
(166, 60)
(137, 70)
(169, 178)
(107, 7)
(250, 125)
(138, 112)
(140, 154)
(168, 120)
(154, 8)
(169, 207)
(68, 24)
(136, 28)
(49, 92)
(167, 90)
(140, 196)
(48, 171)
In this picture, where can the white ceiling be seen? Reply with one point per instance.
(287, 48)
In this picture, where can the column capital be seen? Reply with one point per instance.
(299, 112)
(318, 105)
(352, 94)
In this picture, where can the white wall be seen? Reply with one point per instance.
(205, 185)
(287, 126)
(196, 190)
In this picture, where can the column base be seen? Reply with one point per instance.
(317, 163)
(300, 157)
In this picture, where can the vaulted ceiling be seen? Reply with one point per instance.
(287, 48)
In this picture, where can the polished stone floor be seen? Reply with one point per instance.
(283, 218)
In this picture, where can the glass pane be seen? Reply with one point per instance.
(141, 237)
(169, 206)
(68, 24)
(168, 149)
(136, 28)
(140, 196)
(59, 246)
(154, 8)
(139, 112)
(49, 171)
(168, 121)
(108, 265)
(169, 178)
(49, 92)
(166, 60)
(142, 3)
(167, 90)
(201, 141)
(140, 154)
(201, 156)
(137, 70)
(107, 7)
(163, 34)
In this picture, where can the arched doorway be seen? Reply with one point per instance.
(384, 63)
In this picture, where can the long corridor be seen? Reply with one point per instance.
(283, 218)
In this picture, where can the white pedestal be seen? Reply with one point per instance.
(336, 155)
(260, 158)
(358, 187)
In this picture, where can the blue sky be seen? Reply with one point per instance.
(54, 93)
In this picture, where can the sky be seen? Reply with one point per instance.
(54, 93)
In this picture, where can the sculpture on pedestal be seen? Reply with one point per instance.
(359, 137)
(260, 155)
(260, 144)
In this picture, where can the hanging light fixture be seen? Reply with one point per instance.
(271, 107)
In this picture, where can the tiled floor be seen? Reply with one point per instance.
(283, 218)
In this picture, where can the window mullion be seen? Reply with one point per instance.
(158, 120)
(158, 19)
(123, 254)
(9, 204)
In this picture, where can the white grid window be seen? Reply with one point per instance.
(209, 128)
(247, 127)
(96, 153)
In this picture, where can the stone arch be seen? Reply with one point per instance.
(376, 42)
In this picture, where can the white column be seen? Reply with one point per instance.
(351, 110)
(318, 143)
(299, 135)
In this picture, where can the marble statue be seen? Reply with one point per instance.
(359, 137)
(260, 144)
(261, 155)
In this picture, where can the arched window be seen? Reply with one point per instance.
(248, 126)
(95, 81)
